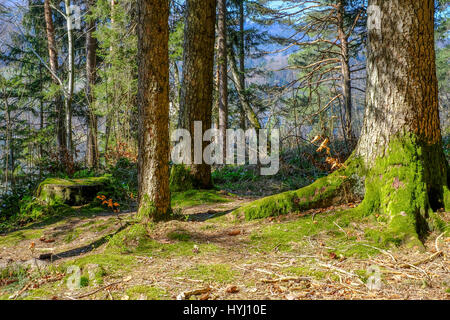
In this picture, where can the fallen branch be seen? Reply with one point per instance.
(97, 290)
(381, 250)
(187, 294)
(286, 279)
(338, 269)
(436, 242)
(415, 264)
(25, 288)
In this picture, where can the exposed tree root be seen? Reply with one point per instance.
(396, 191)
(336, 188)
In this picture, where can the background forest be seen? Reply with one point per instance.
(68, 99)
(363, 177)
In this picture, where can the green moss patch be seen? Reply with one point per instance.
(335, 229)
(109, 262)
(196, 197)
(396, 188)
(220, 273)
(305, 271)
(136, 240)
(146, 293)
(179, 235)
(13, 238)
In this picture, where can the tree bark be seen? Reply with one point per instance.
(222, 65)
(401, 78)
(91, 75)
(242, 60)
(346, 77)
(53, 57)
(71, 78)
(8, 143)
(402, 123)
(153, 102)
(197, 87)
(109, 116)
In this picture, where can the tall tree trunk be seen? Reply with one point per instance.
(177, 89)
(251, 115)
(41, 122)
(401, 137)
(91, 75)
(345, 73)
(242, 60)
(71, 71)
(400, 152)
(222, 65)
(8, 142)
(215, 110)
(109, 115)
(197, 87)
(153, 102)
(53, 55)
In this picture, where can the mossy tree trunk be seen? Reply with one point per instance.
(399, 153)
(401, 142)
(197, 85)
(153, 102)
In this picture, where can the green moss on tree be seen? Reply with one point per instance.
(181, 178)
(149, 213)
(335, 188)
(147, 209)
(396, 188)
(446, 198)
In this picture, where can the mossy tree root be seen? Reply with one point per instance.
(398, 189)
(336, 188)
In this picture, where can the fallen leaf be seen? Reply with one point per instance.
(234, 232)
(43, 239)
(204, 296)
(277, 288)
(232, 289)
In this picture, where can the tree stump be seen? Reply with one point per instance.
(72, 192)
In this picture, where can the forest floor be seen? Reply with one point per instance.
(317, 254)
